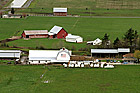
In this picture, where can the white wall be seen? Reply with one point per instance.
(63, 56)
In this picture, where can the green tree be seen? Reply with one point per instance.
(117, 43)
(137, 54)
(106, 41)
(12, 11)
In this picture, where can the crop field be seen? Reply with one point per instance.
(30, 79)
(88, 28)
(88, 7)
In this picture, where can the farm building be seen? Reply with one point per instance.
(95, 42)
(10, 54)
(35, 34)
(109, 53)
(57, 32)
(129, 58)
(74, 38)
(11, 16)
(49, 56)
(60, 11)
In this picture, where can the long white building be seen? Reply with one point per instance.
(49, 56)
(10, 54)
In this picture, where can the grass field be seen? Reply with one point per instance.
(88, 7)
(88, 28)
(26, 79)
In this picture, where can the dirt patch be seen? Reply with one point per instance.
(105, 85)
(108, 13)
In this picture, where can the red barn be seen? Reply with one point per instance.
(60, 11)
(57, 32)
(35, 34)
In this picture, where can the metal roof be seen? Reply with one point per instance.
(59, 9)
(123, 49)
(55, 30)
(18, 3)
(110, 50)
(72, 36)
(35, 32)
(10, 51)
(104, 51)
(45, 54)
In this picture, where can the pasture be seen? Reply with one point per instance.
(88, 28)
(23, 79)
(87, 7)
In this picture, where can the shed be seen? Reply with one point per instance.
(60, 11)
(51, 56)
(58, 32)
(10, 54)
(95, 42)
(35, 34)
(74, 38)
(109, 52)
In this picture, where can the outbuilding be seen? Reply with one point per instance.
(60, 11)
(109, 53)
(10, 54)
(74, 38)
(49, 56)
(95, 42)
(35, 34)
(57, 32)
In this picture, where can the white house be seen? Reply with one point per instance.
(49, 56)
(95, 42)
(10, 54)
(74, 38)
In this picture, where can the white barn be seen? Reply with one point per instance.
(18, 3)
(74, 38)
(95, 42)
(49, 56)
(60, 11)
(10, 54)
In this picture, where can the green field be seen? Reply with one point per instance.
(27, 79)
(88, 7)
(88, 28)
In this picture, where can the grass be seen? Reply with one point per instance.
(88, 28)
(88, 7)
(23, 79)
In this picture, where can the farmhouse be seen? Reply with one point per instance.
(10, 54)
(49, 56)
(95, 42)
(74, 38)
(57, 32)
(129, 58)
(35, 34)
(60, 11)
(109, 53)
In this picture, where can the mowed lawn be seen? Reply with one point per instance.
(27, 79)
(87, 7)
(88, 28)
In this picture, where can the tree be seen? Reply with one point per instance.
(12, 11)
(117, 43)
(131, 37)
(105, 40)
(137, 54)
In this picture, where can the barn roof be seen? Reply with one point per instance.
(55, 30)
(72, 36)
(110, 50)
(34, 32)
(59, 9)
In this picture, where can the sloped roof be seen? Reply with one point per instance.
(59, 9)
(55, 30)
(34, 32)
(72, 36)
